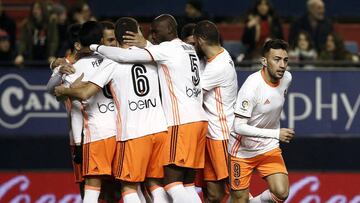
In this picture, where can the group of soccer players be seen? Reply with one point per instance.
(161, 115)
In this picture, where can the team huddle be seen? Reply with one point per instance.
(162, 117)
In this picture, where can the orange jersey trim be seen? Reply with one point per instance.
(222, 118)
(174, 102)
(212, 58)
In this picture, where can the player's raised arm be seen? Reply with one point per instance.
(123, 55)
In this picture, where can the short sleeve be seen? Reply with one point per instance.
(246, 99)
(103, 75)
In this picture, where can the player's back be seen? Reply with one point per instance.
(180, 81)
(140, 105)
(219, 80)
(99, 110)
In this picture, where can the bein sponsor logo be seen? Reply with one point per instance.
(18, 190)
(21, 101)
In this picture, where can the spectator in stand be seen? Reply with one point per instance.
(6, 53)
(261, 24)
(314, 22)
(334, 49)
(8, 24)
(80, 13)
(59, 14)
(303, 49)
(39, 36)
(193, 14)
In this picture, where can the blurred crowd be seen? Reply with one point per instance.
(42, 35)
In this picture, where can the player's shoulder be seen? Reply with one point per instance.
(252, 81)
(255, 77)
(287, 77)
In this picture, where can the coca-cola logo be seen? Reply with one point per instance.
(306, 190)
(22, 184)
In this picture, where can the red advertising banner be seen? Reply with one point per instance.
(40, 187)
(307, 187)
(51, 187)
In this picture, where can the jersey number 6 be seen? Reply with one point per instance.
(140, 81)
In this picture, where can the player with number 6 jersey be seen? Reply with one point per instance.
(182, 100)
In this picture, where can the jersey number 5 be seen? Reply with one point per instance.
(194, 69)
(140, 81)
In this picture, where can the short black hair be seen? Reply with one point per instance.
(207, 31)
(91, 32)
(125, 24)
(274, 44)
(73, 34)
(187, 30)
(107, 25)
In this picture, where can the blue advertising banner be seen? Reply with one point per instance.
(26, 107)
(321, 103)
(318, 104)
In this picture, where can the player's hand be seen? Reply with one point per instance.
(59, 90)
(58, 62)
(286, 135)
(77, 156)
(135, 39)
(67, 69)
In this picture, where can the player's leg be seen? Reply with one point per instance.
(215, 169)
(193, 137)
(240, 175)
(273, 169)
(134, 156)
(155, 169)
(173, 174)
(97, 161)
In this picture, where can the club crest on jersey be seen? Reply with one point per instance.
(245, 105)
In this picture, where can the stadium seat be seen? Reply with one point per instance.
(234, 47)
(352, 47)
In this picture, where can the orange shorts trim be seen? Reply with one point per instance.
(185, 145)
(77, 169)
(266, 164)
(216, 160)
(98, 157)
(140, 158)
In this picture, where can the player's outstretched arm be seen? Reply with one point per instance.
(123, 55)
(82, 92)
(242, 127)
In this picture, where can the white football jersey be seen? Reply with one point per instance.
(180, 81)
(135, 88)
(99, 110)
(262, 103)
(219, 81)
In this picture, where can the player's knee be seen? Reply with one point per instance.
(281, 193)
(215, 196)
(239, 196)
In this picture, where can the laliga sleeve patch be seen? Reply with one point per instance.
(245, 105)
